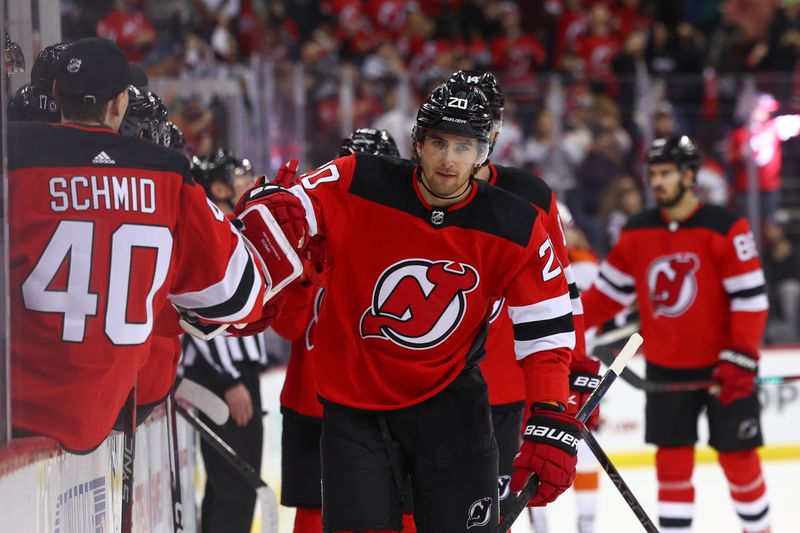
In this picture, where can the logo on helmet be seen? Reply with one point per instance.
(74, 65)
(479, 513)
(672, 283)
(418, 303)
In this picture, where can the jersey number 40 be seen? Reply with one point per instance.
(73, 242)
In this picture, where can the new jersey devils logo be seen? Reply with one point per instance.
(672, 282)
(479, 513)
(418, 303)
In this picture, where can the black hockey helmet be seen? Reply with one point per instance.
(145, 118)
(486, 82)
(369, 141)
(176, 137)
(33, 103)
(678, 150)
(459, 109)
(43, 69)
(223, 165)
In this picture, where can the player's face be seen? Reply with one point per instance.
(667, 183)
(447, 161)
(242, 182)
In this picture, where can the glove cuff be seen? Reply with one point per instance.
(739, 359)
(553, 429)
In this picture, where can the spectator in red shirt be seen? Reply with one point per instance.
(128, 27)
(760, 141)
(599, 46)
(571, 25)
(515, 55)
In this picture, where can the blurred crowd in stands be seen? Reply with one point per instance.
(588, 83)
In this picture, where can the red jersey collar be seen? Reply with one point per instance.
(463, 203)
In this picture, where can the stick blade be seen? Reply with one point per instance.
(269, 509)
(204, 400)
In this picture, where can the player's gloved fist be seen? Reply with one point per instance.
(549, 450)
(272, 309)
(736, 374)
(583, 380)
(284, 207)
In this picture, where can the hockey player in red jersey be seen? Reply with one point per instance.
(96, 251)
(301, 410)
(694, 271)
(417, 253)
(503, 376)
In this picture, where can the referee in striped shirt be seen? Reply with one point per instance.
(229, 366)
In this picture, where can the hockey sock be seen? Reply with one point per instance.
(675, 491)
(748, 490)
(408, 523)
(307, 520)
(586, 485)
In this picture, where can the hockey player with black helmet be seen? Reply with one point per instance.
(369, 141)
(33, 104)
(694, 271)
(146, 117)
(402, 327)
(506, 386)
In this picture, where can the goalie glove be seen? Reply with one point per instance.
(736, 374)
(549, 450)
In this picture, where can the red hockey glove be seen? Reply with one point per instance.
(272, 309)
(583, 380)
(286, 174)
(736, 374)
(284, 207)
(549, 450)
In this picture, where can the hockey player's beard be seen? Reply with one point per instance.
(464, 189)
(668, 203)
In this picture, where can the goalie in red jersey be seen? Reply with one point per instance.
(416, 255)
(694, 270)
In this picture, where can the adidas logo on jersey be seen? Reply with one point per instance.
(103, 159)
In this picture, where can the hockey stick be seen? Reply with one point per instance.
(611, 374)
(204, 400)
(636, 381)
(264, 493)
(174, 464)
(128, 456)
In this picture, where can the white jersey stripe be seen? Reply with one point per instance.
(560, 340)
(544, 310)
(622, 298)
(742, 282)
(226, 288)
(616, 276)
(752, 304)
(311, 216)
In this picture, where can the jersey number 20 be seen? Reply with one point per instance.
(73, 241)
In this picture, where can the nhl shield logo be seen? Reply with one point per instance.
(437, 217)
(418, 303)
(672, 283)
(74, 65)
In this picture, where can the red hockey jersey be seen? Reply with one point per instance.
(103, 229)
(502, 373)
(698, 284)
(410, 286)
(297, 322)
